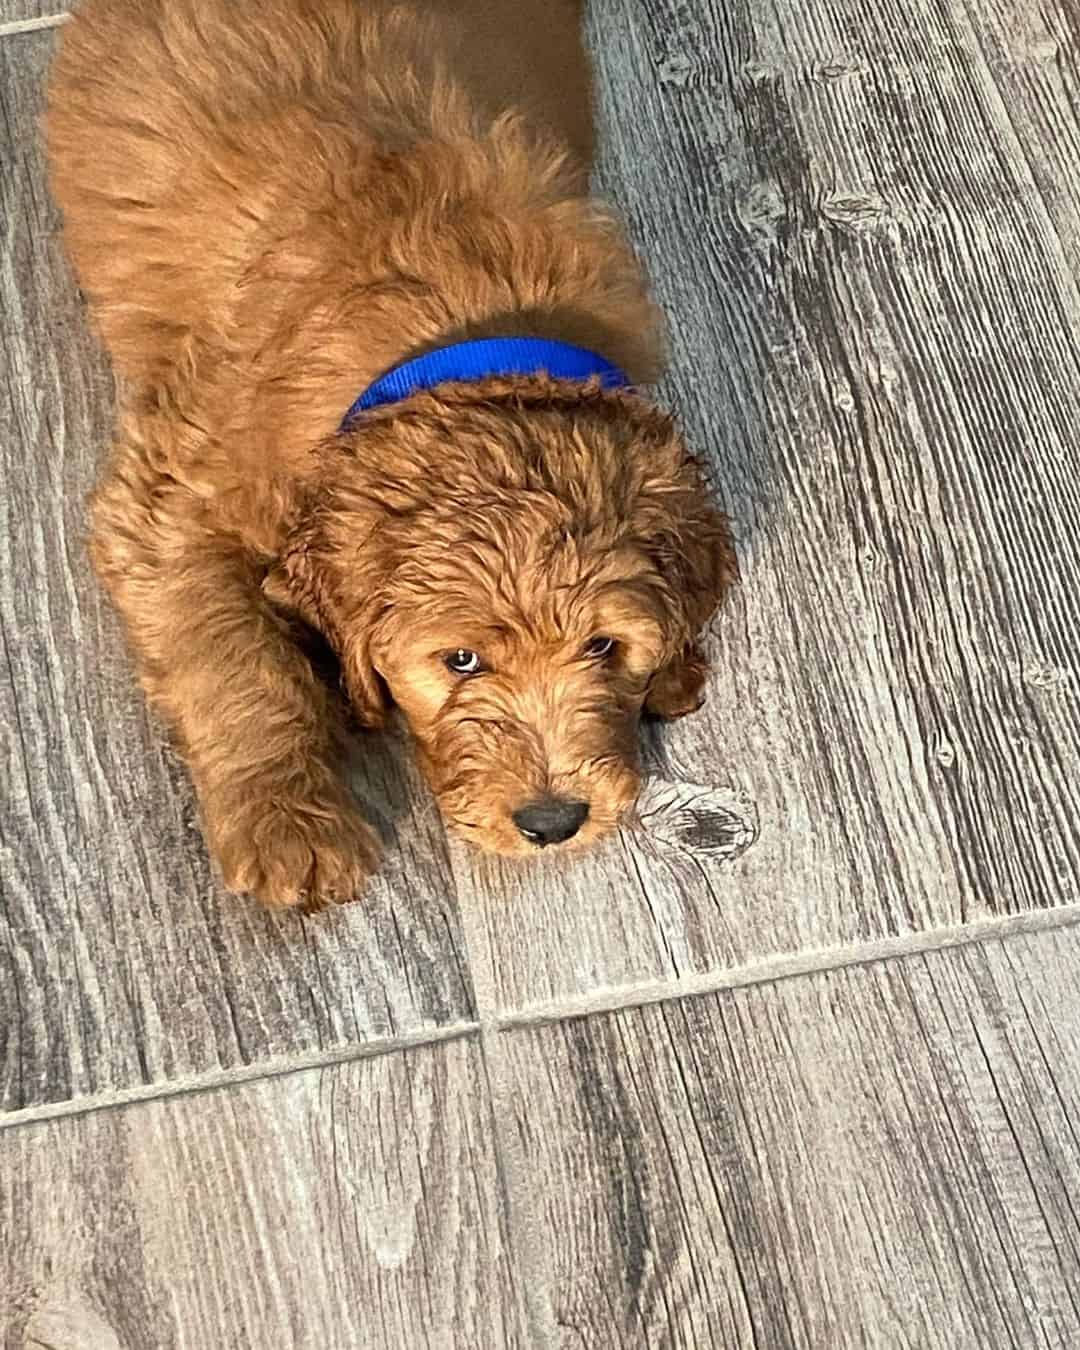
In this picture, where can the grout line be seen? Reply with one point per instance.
(487, 1024)
(278, 1067)
(32, 25)
(792, 965)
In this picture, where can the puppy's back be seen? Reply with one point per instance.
(187, 136)
(192, 140)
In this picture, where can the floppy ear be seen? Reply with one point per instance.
(339, 596)
(691, 544)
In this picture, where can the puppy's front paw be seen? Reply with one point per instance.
(678, 688)
(295, 854)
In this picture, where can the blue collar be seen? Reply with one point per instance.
(484, 357)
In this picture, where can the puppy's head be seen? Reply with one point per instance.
(521, 566)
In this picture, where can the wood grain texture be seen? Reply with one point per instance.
(357, 1206)
(862, 219)
(121, 962)
(880, 1156)
(1033, 54)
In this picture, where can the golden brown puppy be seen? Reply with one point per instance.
(269, 207)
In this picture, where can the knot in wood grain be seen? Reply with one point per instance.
(829, 69)
(1041, 673)
(762, 72)
(857, 213)
(675, 69)
(719, 823)
(762, 209)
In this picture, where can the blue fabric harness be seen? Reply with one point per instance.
(482, 358)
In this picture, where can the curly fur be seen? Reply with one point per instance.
(268, 211)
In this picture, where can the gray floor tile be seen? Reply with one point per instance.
(878, 1156)
(358, 1205)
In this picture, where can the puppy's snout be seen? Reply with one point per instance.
(551, 821)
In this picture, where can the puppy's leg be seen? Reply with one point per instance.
(260, 732)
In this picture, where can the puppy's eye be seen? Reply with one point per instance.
(463, 662)
(599, 648)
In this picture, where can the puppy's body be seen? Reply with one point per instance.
(268, 207)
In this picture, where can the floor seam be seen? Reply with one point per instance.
(792, 966)
(275, 1067)
(16, 26)
(486, 1025)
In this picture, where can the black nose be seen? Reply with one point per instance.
(551, 820)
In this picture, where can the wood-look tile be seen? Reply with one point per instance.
(359, 1205)
(884, 1155)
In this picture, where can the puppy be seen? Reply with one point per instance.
(273, 210)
